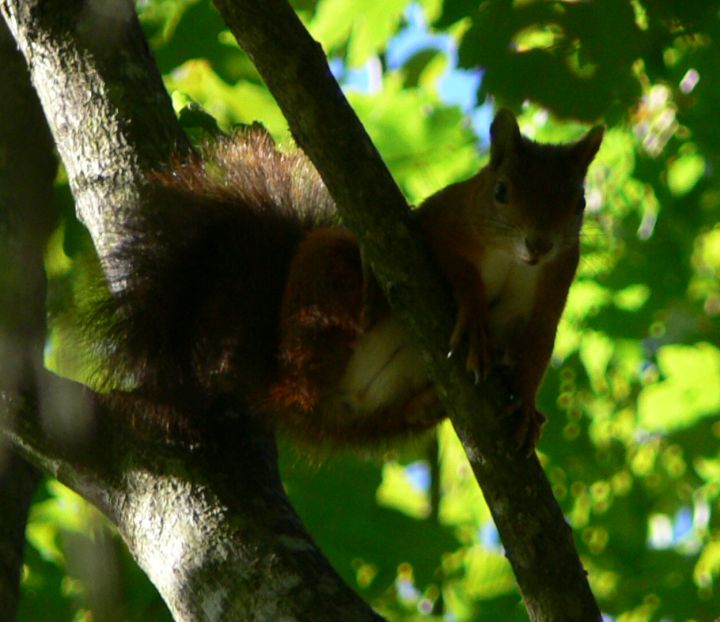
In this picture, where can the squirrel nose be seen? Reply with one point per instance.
(537, 246)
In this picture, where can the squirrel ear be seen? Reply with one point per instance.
(504, 136)
(586, 148)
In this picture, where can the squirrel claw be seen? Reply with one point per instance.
(478, 358)
(457, 334)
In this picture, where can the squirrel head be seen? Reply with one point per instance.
(534, 193)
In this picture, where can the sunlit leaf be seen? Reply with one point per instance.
(425, 144)
(488, 573)
(690, 387)
(367, 26)
(685, 172)
(398, 491)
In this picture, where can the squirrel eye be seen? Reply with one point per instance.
(501, 192)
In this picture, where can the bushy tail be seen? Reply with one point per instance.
(196, 302)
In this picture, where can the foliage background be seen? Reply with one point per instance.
(633, 395)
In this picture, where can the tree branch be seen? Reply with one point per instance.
(538, 541)
(208, 521)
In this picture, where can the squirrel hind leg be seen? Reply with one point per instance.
(375, 390)
(341, 381)
(320, 321)
(386, 383)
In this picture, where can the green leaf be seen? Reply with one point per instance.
(364, 26)
(690, 388)
(337, 503)
(685, 172)
(425, 144)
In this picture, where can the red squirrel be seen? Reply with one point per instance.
(243, 286)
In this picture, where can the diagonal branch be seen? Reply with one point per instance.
(537, 539)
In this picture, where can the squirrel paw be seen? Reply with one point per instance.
(529, 425)
(478, 358)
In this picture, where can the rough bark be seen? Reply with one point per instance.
(27, 170)
(205, 516)
(537, 540)
(109, 113)
(207, 519)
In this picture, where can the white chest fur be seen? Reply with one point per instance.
(510, 287)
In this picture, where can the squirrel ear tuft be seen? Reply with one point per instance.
(504, 136)
(586, 148)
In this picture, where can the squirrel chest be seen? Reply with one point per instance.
(510, 288)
